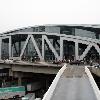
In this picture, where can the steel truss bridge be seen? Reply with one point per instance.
(46, 39)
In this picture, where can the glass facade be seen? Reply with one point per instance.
(67, 30)
(5, 48)
(69, 50)
(49, 55)
(29, 51)
(18, 42)
(39, 29)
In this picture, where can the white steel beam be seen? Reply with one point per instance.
(51, 47)
(10, 44)
(36, 47)
(25, 45)
(74, 40)
(97, 48)
(5, 37)
(81, 38)
(83, 42)
(0, 46)
(56, 34)
(76, 51)
(69, 39)
(43, 47)
(61, 48)
(86, 51)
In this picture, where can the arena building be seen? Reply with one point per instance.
(52, 42)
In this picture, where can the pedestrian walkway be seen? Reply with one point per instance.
(74, 83)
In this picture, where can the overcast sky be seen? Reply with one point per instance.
(23, 13)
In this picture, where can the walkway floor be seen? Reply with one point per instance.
(73, 85)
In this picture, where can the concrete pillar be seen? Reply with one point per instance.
(10, 72)
(3, 83)
(19, 76)
(19, 80)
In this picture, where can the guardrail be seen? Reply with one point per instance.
(93, 84)
(51, 89)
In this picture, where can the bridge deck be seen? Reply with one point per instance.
(40, 67)
(73, 85)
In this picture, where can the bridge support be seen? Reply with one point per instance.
(19, 80)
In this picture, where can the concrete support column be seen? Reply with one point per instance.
(19, 76)
(76, 51)
(10, 72)
(19, 81)
(3, 83)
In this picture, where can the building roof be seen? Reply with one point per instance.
(91, 26)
